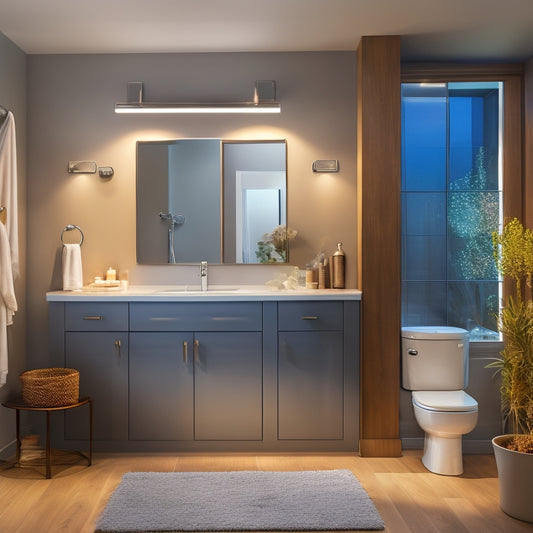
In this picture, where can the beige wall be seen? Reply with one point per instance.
(13, 98)
(71, 117)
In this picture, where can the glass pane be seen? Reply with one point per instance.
(424, 119)
(472, 217)
(450, 205)
(473, 305)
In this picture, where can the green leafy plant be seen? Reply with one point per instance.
(513, 253)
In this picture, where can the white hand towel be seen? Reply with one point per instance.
(8, 302)
(72, 269)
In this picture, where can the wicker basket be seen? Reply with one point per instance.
(50, 387)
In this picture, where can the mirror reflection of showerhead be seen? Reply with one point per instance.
(173, 219)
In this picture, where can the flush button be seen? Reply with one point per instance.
(412, 351)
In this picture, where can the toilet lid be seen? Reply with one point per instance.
(444, 400)
(434, 333)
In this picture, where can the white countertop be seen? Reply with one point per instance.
(189, 293)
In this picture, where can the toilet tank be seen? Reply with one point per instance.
(434, 358)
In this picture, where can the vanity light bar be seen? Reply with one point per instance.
(198, 108)
(264, 102)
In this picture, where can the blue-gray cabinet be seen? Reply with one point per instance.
(195, 386)
(215, 371)
(96, 344)
(310, 370)
(102, 360)
(213, 376)
(161, 398)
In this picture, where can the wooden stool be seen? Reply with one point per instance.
(21, 406)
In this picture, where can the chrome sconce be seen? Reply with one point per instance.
(326, 165)
(82, 167)
(264, 101)
(89, 167)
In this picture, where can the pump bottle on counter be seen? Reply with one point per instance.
(338, 260)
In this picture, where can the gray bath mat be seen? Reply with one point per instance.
(239, 501)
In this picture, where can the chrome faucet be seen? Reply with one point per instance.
(203, 275)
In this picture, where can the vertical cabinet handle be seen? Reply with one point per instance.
(185, 350)
(118, 344)
(196, 351)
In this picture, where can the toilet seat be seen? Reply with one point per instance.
(447, 400)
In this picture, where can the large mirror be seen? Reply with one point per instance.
(211, 200)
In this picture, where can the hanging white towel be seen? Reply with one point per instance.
(72, 268)
(8, 186)
(8, 302)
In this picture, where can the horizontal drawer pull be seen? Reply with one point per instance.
(96, 316)
(196, 316)
(310, 316)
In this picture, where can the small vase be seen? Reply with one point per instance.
(515, 474)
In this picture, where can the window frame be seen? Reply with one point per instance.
(512, 76)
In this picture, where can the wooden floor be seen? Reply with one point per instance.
(408, 497)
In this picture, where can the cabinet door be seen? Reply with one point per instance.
(102, 360)
(161, 386)
(310, 385)
(228, 386)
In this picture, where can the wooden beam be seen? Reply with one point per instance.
(435, 72)
(379, 180)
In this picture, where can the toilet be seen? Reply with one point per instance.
(435, 369)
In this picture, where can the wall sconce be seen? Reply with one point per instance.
(105, 172)
(82, 167)
(89, 167)
(264, 102)
(326, 165)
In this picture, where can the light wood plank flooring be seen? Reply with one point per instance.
(408, 497)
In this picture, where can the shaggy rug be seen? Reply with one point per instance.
(239, 501)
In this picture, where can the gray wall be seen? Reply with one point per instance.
(13, 97)
(71, 100)
(70, 117)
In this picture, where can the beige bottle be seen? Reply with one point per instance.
(338, 260)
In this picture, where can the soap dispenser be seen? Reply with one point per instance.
(338, 260)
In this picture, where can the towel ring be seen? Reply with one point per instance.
(70, 227)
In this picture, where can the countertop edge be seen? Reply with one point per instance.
(157, 294)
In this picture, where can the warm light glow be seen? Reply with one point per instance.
(198, 108)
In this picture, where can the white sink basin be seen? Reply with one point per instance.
(187, 289)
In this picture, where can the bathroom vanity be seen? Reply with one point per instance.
(247, 369)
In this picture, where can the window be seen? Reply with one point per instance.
(451, 203)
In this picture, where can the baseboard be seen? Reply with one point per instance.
(412, 443)
(380, 448)
(477, 446)
(8, 450)
(469, 446)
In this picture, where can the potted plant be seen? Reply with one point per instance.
(513, 252)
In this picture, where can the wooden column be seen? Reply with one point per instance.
(379, 215)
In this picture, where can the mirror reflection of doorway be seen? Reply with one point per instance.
(251, 169)
(260, 207)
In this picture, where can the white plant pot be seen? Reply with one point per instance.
(515, 474)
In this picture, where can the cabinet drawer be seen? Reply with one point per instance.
(310, 316)
(96, 316)
(196, 316)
